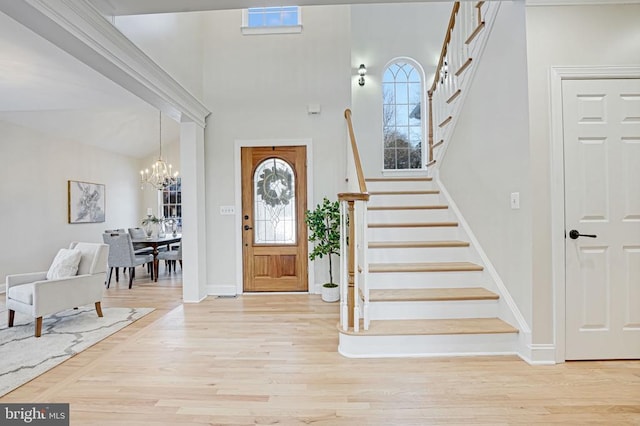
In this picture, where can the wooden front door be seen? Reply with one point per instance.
(601, 121)
(274, 201)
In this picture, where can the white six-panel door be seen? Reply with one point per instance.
(601, 120)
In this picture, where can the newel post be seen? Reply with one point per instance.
(350, 199)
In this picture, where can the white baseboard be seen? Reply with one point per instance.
(222, 290)
(539, 354)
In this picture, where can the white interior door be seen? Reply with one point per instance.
(601, 120)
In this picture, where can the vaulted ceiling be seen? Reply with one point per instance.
(46, 89)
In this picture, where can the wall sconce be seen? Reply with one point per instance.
(362, 70)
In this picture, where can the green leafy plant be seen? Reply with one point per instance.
(151, 219)
(324, 231)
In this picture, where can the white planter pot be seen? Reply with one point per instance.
(330, 294)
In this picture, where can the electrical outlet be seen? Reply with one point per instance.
(227, 210)
(515, 200)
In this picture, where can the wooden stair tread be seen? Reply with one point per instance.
(422, 192)
(431, 294)
(400, 179)
(417, 244)
(425, 267)
(435, 327)
(425, 207)
(413, 225)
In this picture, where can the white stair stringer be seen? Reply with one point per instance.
(410, 250)
(507, 308)
(397, 346)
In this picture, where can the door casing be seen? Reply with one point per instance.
(239, 144)
(558, 263)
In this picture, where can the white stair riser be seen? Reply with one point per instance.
(390, 280)
(440, 254)
(405, 200)
(404, 216)
(435, 233)
(401, 186)
(433, 310)
(354, 346)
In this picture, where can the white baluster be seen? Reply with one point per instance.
(365, 265)
(344, 270)
(356, 273)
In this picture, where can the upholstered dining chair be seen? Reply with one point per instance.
(171, 256)
(138, 233)
(44, 293)
(115, 231)
(121, 254)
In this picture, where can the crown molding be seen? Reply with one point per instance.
(78, 28)
(578, 2)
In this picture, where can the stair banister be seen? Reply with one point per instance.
(462, 45)
(353, 232)
(436, 77)
(356, 156)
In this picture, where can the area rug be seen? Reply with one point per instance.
(24, 357)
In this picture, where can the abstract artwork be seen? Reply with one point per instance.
(86, 202)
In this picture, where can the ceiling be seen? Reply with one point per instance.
(47, 90)
(138, 7)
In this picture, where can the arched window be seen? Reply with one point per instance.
(274, 208)
(402, 121)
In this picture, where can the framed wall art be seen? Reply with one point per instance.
(86, 202)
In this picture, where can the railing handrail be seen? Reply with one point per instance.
(356, 156)
(445, 45)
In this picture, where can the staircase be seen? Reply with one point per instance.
(428, 291)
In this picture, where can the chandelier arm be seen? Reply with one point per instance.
(160, 177)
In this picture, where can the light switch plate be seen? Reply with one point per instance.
(515, 200)
(227, 210)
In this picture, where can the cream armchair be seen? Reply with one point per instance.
(34, 295)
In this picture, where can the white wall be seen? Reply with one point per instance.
(258, 87)
(597, 35)
(172, 40)
(33, 194)
(488, 155)
(380, 33)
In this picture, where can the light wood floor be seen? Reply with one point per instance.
(271, 359)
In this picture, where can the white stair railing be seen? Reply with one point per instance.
(463, 43)
(353, 237)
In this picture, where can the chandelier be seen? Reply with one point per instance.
(161, 174)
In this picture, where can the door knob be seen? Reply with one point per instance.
(247, 227)
(574, 234)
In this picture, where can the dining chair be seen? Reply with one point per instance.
(139, 248)
(170, 256)
(121, 254)
(116, 231)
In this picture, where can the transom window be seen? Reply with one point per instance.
(402, 118)
(268, 20)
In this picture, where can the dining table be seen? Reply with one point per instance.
(155, 242)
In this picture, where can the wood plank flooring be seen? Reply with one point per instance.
(272, 359)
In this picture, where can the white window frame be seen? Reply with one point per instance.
(285, 29)
(423, 125)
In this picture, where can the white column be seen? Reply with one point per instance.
(194, 244)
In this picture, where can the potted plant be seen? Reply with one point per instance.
(324, 231)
